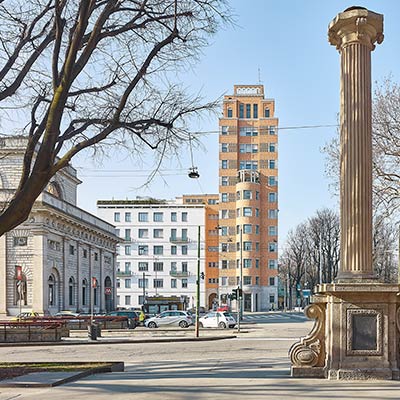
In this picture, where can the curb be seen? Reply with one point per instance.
(140, 341)
(113, 366)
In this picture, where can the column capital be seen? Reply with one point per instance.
(356, 25)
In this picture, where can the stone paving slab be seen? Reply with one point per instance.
(41, 379)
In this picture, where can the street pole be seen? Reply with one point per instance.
(240, 294)
(198, 285)
(144, 288)
(320, 259)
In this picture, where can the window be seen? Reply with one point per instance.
(128, 217)
(184, 283)
(224, 147)
(224, 264)
(143, 250)
(224, 130)
(143, 233)
(127, 300)
(272, 230)
(272, 130)
(248, 110)
(247, 246)
(257, 212)
(96, 256)
(247, 280)
(272, 214)
(272, 281)
(248, 148)
(224, 197)
(224, 247)
(71, 285)
(224, 214)
(248, 165)
(127, 283)
(158, 250)
(184, 266)
(257, 195)
(272, 148)
(143, 217)
(143, 283)
(257, 280)
(158, 217)
(272, 197)
(247, 212)
(257, 263)
(247, 194)
(272, 264)
(23, 241)
(127, 235)
(158, 266)
(173, 283)
(128, 266)
(224, 280)
(184, 217)
(158, 233)
(224, 230)
(174, 217)
(224, 164)
(127, 250)
(257, 229)
(255, 110)
(84, 253)
(117, 217)
(173, 234)
(247, 262)
(224, 181)
(71, 250)
(266, 113)
(184, 250)
(173, 266)
(248, 131)
(241, 110)
(272, 164)
(257, 246)
(247, 228)
(173, 250)
(230, 113)
(143, 266)
(184, 234)
(272, 298)
(272, 247)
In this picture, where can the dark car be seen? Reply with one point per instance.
(133, 317)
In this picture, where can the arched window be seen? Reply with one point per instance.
(84, 292)
(52, 290)
(71, 291)
(54, 188)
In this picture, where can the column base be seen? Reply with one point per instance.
(356, 334)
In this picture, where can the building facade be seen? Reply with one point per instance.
(61, 258)
(157, 261)
(248, 204)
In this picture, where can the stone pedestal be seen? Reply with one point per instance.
(356, 334)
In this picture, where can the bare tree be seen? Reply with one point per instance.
(386, 149)
(84, 74)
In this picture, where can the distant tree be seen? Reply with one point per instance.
(83, 74)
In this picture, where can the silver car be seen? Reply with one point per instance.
(170, 318)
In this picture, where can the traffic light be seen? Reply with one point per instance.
(234, 294)
(202, 275)
(239, 292)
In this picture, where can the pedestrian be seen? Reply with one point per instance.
(142, 317)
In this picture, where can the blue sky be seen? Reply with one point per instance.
(287, 41)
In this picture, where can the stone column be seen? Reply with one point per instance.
(354, 33)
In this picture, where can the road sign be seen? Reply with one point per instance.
(306, 292)
(107, 290)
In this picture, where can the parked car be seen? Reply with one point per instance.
(224, 307)
(170, 318)
(66, 313)
(217, 320)
(27, 315)
(133, 317)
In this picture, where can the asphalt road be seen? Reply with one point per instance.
(252, 366)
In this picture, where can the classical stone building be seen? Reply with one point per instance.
(62, 250)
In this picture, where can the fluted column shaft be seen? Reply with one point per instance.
(354, 33)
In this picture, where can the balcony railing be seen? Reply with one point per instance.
(176, 239)
(179, 274)
(124, 273)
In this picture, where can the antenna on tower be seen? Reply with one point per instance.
(259, 76)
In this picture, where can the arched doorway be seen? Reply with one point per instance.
(108, 294)
(212, 301)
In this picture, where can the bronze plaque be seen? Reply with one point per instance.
(365, 335)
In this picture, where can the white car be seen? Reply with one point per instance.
(170, 318)
(217, 319)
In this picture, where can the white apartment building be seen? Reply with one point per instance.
(157, 260)
(60, 249)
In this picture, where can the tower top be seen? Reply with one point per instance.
(248, 90)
